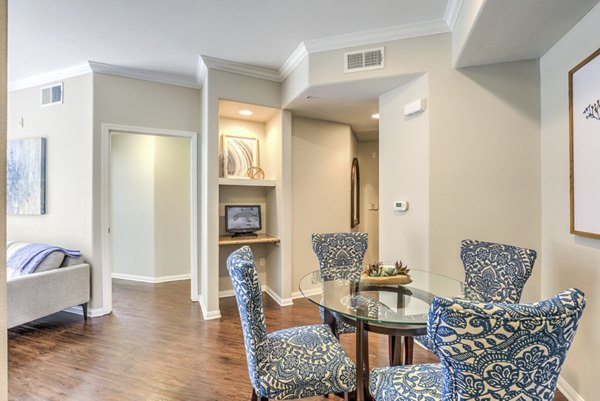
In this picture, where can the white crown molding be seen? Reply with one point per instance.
(452, 11)
(377, 36)
(145, 75)
(52, 76)
(293, 61)
(201, 71)
(240, 69)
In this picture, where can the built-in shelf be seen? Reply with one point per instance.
(259, 239)
(246, 182)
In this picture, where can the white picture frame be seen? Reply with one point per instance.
(239, 155)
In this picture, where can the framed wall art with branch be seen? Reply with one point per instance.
(584, 146)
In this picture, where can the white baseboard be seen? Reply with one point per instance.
(298, 294)
(568, 391)
(226, 294)
(280, 301)
(208, 315)
(78, 310)
(150, 279)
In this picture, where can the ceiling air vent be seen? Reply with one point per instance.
(363, 60)
(52, 94)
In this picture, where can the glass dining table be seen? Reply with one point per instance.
(399, 311)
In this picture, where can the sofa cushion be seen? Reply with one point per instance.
(52, 261)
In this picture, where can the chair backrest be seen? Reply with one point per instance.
(495, 272)
(340, 255)
(497, 351)
(248, 294)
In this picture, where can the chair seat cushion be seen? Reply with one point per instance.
(407, 383)
(304, 362)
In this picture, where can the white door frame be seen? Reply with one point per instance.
(107, 130)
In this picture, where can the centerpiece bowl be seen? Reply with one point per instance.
(380, 273)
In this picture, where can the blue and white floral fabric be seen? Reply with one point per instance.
(489, 351)
(287, 364)
(410, 382)
(493, 273)
(340, 256)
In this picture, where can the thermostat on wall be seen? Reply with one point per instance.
(401, 206)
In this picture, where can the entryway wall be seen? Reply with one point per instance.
(150, 213)
(368, 161)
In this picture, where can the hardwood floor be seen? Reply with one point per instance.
(153, 347)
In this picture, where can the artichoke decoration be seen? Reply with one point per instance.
(379, 269)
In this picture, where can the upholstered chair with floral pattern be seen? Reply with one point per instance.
(488, 351)
(493, 273)
(340, 256)
(287, 364)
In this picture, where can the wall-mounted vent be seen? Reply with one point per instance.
(363, 60)
(52, 94)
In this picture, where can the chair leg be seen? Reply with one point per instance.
(409, 343)
(257, 398)
(85, 310)
(400, 350)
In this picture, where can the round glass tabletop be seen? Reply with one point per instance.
(406, 304)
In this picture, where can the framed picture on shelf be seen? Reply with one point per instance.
(584, 142)
(239, 155)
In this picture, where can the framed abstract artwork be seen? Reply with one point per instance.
(26, 177)
(239, 155)
(584, 146)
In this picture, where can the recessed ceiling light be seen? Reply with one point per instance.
(376, 116)
(245, 112)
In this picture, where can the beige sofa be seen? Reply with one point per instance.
(43, 293)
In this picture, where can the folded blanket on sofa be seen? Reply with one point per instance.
(27, 258)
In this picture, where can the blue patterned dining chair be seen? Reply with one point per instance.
(493, 273)
(488, 351)
(287, 364)
(340, 256)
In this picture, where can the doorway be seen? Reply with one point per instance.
(149, 206)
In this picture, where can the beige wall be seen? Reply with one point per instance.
(3, 352)
(132, 204)
(172, 207)
(150, 207)
(368, 157)
(568, 260)
(483, 154)
(137, 103)
(223, 85)
(321, 160)
(404, 176)
(68, 129)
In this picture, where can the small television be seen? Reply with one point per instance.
(242, 220)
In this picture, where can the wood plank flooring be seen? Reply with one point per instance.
(153, 347)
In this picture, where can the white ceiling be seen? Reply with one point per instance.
(168, 36)
(510, 30)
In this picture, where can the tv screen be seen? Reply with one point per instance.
(242, 219)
